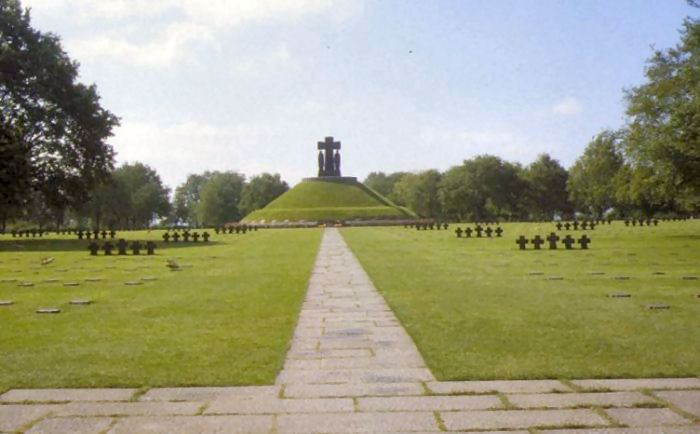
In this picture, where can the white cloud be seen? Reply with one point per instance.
(185, 21)
(569, 106)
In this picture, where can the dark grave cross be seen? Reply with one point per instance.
(418, 226)
(432, 226)
(575, 225)
(176, 237)
(445, 226)
(327, 164)
(656, 222)
(205, 236)
(216, 230)
(627, 222)
(584, 241)
(559, 226)
(592, 225)
(438, 226)
(468, 232)
(230, 230)
(634, 222)
(499, 231)
(136, 247)
(567, 226)
(150, 248)
(458, 231)
(108, 248)
(104, 234)
(96, 233)
(93, 247)
(195, 237)
(80, 235)
(537, 242)
(238, 229)
(244, 229)
(584, 225)
(488, 232)
(121, 246)
(88, 235)
(568, 242)
(112, 234)
(522, 241)
(185, 236)
(641, 222)
(166, 237)
(478, 229)
(552, 238)
(648, 222)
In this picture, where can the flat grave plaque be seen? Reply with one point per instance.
(8, 280)
(25, 284)
(597, 273)
(555, 278)
(81, 302)
(149, 279)
(48, 310)
(71, 284)
(93, 279)
(621, 278)
(619, 295)
(657, 273)
(535, 273)
(658, 306)
(132, 283)
(6, 303)
(690, 277)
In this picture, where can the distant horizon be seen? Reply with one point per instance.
(252, 86)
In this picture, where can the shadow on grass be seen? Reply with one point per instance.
(48, 245)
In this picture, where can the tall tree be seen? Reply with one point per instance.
(219, 199)
(60, 124)
(663, 144)
(383, 183)
(595, 176)
(187, 197)
(148, 197)
(419, 192)
(15, 176)
(547, 187)
(261, 190)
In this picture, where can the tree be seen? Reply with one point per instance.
(15, 177)
(595, 176)
(663, 145)
(547, 187)
(60, 124)
(219, 199)
(187, 197)
(148, 198)
(483, 187)
(261, 190)
(419, 192)
(108, 200)
(382, 183)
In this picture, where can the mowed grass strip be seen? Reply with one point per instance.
(475, 311)
(226, 318)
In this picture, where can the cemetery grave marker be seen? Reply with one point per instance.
(104, 234)
(468, 232)
(568, 242)
(537, 242)
(621, 278)
(195, 237)
(584, 241)
(176, 237)
(657, 273)
(478, 229)
(112, 234)
(535, 273)
(88, 235)
(592, 225)
(132, 283)
(185, 236)
(93, 279)
(658, 306)
(444, 226)
(619, 295)
(521, 242)
(149, 279)
(575, 225)
(488, 232)
(559, 226)
(108, 248)
(597, 273)
(136, 248)
(552, 238)
(121, 246)
(690, 277)
(584, 225)
(6, 303)
(458, 231)
(71, 284)
(80, 302)
(205, 236)
(48, 310)
(499, 231)
(567, 226)
(25, 284)
(166, 237)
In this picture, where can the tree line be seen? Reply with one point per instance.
(650, 166)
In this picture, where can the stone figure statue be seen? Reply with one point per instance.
(320, 163)
(336, 165)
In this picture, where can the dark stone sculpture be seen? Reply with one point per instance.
(330, 164)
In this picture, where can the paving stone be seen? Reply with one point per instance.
(207, 393)
(429, 403)
(12, 417)
(379, 375)
(341, 390)
(642, 383)
(128, 408)
(561, 400)
(688, 401)
(356, 422)
(508, 419)
(48, 395)
(638, 430)
(322, 354)
(73, 425)
(518, 386)
(273, 405)
(646, 417)
(194, 424)
(371, 362)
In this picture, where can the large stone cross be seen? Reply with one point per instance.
(330, 167)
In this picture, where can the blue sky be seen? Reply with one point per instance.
(252, 85)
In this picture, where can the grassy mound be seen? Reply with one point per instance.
(329, 200)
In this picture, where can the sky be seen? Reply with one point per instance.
(253, 85)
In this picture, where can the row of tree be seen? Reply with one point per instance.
(650, 166)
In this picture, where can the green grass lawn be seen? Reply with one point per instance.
(475, 312)
(226, 318)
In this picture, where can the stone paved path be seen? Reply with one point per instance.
(352, 368)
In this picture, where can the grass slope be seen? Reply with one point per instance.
(329, 200)
(475, 312)
(225, 319)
